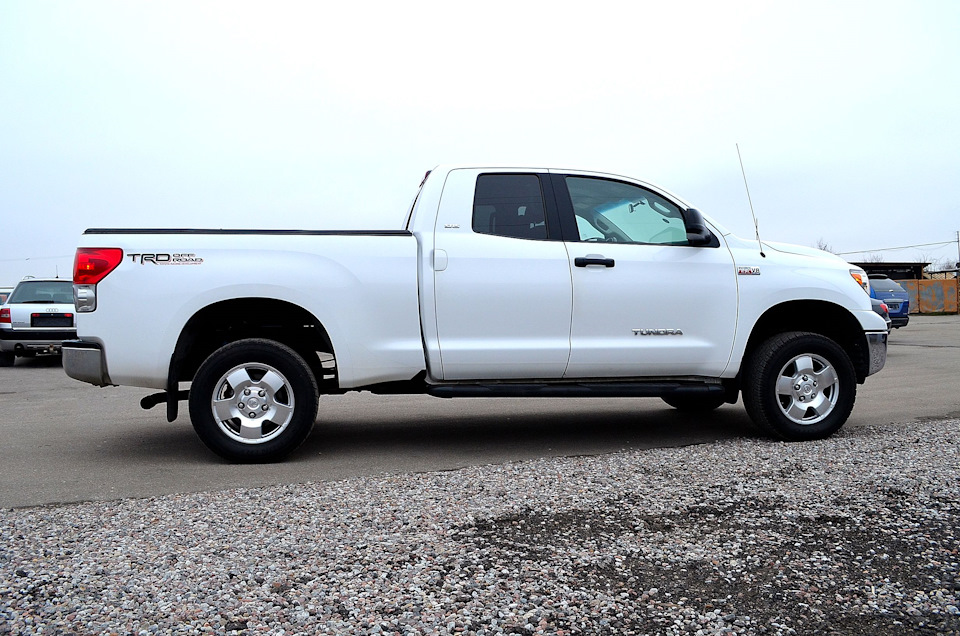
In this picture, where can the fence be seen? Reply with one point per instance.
(932, 296)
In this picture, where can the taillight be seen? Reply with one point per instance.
(89, 268)
(93, 263)
(5, 315)
(884, 307)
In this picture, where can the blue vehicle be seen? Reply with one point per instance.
(894, 296)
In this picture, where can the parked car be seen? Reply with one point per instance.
(896, 298)
(37, 317)
(881, 308)
(4, 294)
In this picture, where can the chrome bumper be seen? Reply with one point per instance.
(84, 361)
(876, 347)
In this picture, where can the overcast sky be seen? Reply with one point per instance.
(326, 115)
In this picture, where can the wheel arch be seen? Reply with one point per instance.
(815, 316)
(227, 321)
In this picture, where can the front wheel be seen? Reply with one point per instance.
(253, 400)
(799, 386)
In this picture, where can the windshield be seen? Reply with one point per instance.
(43, 291)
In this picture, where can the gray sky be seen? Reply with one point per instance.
(326, 115)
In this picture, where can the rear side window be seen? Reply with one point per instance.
(509, 205)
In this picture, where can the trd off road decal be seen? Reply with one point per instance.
(166, 259)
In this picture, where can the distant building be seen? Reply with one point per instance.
(896, 271)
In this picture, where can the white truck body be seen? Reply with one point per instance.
(534, 280)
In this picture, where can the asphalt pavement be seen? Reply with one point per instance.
(65, 441)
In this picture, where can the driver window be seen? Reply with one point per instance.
(616, 212)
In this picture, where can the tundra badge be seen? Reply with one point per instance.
(657, 332)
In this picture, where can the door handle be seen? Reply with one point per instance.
(583, 261)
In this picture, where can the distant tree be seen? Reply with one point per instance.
(873, 257)
(826, 247)
(939, 265)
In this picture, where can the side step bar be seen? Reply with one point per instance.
(575, 390)
(506, 390)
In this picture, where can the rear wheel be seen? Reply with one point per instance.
(253, 401)
(799, 386)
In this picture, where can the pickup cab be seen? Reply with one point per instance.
(501, 282)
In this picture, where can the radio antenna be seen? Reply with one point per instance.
(756, 226)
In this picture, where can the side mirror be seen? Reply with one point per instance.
(697, 233)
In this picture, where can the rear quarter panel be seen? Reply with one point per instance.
(361, 288)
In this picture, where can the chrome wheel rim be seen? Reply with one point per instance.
(807, 389)
(252, 403)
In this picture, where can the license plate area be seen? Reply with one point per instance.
(51, 320)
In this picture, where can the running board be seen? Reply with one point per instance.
(573, 390)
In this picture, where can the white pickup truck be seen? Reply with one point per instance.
(502, 282)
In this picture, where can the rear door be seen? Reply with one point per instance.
(645, 302)
(502, 284)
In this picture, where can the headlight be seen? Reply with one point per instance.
(861, 277)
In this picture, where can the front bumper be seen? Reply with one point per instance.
(84, 361)
(876, 349)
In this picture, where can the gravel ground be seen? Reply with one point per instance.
(857, 534)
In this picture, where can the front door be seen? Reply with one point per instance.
(645, 302)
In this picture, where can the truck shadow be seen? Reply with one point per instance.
(420, 433)
(507, 430)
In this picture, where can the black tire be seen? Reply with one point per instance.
(695, 403)
(799, 386)
(253, 400)
(7, 358)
